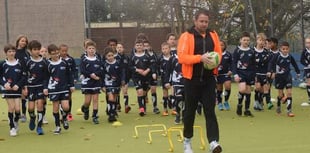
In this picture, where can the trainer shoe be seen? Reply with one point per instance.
(239, 110)
(57, 130)
(40, 131)
(165, 113)
(278, 110)
(95, 120)
(32, 124)
(142, 112)
(226, 105)
(177, 119)
(65, 124)
(13, 132)
(215, 147)
(16, 126)
(290, 114)
(45, 121)
(70, 117)
(86, 113)
(260, 106)
(127, 109)
(256, 106)
(112, 118)
(23, 118)
(269, 105)
(156, 110)
(220, 106)
(173, 112)
(248, 113)
(187, 145)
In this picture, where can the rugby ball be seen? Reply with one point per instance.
(215, 60)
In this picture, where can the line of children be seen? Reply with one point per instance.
(305, 61)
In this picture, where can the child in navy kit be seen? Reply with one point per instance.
(164, 61)
(92, 71)
(224, 78)
(177, 80)
(125, 68)
(113, 76)
(305, 61)
(153, 77)
(63, 48)
(140, 68)
(36, 68)
(262, 59)
(23, 56)
(59, 86)
(243, 70)
(13, 79)
(280, 65)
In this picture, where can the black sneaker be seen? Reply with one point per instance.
(65, 124)
(57, 130)
(156, 110)
(177, 119)
(86, 113)
(95, 120)
(112, 118)
(248, 113)
(239, 110)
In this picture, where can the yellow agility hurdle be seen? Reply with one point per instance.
(162, 126)
(180, 129)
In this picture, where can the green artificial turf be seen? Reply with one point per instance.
(266, 132)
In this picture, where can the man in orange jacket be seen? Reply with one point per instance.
(200, 84)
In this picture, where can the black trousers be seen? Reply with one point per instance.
(204, 92)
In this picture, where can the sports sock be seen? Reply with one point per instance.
(11, 122)
(165, 102)
(289, 104)
(126, 98)
(24, 107)
(227, 95)
(219, 96)
(247, 101)
(240, 98)
(17, 116)
(154, 99)
(40, 118)
(57, 120)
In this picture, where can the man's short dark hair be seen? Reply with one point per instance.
(202, 11)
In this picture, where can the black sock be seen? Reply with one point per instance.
(11, 120)
(70, 105)
(279, 101)
(141, 101)
(267, 99)
(247, 101)
(289, 104)
(308, 91)
(256, 95)
(165, 102)
(57, 120)
(178, 101)
(17, 116)
(117, 99)
(44, 109)
(219, 96)
(40, 118)
(65, 114)
(32, 115)
(261, 97)
(126, 100)
(240, 98)
(95, 112)
(24, 106)
(154, 100)
(227, 95)
(172, 101)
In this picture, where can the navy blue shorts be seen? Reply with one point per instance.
(221, 79)
(246, 76)
(91, 91)
(59, 96)
(178, 90)
(282, 82)
(261, 78)
(11, 94)
(35, 93)
(141, 84)
(113, 90)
